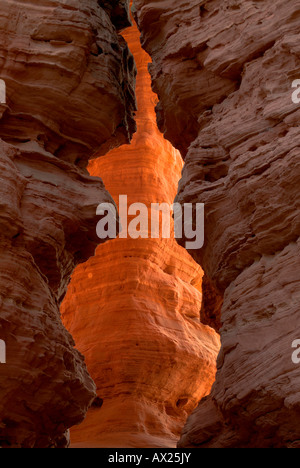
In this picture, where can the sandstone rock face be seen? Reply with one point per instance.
(69, 82)
(134, 308)
(223, 71)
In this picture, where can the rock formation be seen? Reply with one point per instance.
(70, 91)
(223, 72)
(134, 308)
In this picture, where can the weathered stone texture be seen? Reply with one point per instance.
(70, 91)
(134, 309)
(223, 71)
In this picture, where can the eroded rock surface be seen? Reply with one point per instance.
(223, 71)
(70, 91)
(134, 308)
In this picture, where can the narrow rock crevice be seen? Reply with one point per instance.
(134, 308)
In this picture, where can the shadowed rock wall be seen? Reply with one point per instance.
(223, 72)
(70, 91)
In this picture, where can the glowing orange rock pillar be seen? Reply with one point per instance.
(134, 308)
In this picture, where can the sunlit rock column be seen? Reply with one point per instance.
(134, 308)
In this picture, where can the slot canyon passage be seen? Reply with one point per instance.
(127, 353)
(133, 309)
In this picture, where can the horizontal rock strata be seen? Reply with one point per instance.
(223, 71)
(69, 92)
(134, 308)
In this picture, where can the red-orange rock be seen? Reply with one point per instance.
(134, 308)
(69, 82)
(223, 71)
